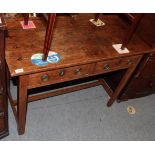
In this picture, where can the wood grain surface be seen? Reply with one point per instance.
(76, 40)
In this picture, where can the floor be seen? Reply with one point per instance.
(83, 115)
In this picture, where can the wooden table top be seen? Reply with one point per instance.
(76, 40)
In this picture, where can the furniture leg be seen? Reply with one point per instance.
(123, 82)
(12, 102)
(48, 36)
(97, 16)
(26, 18)
(131, 30)
(22, 103)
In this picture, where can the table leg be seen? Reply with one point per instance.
(22, 103)
(123, 82)
(131, 30)
(9, 93)
(97, 16)
(48, 36)
(26, 18)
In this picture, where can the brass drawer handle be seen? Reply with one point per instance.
(106, 67)
(62, 73)
(1, 114)
(129, 62)
(45, 78)
(78, 71)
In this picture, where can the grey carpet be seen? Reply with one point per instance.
(83, 115)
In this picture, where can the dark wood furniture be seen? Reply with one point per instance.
(3, 95)
(86, 51)
(142, 82)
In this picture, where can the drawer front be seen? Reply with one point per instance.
(60, 75)
(112, 65)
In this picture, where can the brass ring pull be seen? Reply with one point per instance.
(62, 73)
(44, 78)
(78, 71)
(129, 62)
(106, 67)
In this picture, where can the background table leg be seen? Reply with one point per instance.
(22, 103)
(123, 82)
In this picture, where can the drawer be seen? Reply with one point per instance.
(60, 75)
(112, 65)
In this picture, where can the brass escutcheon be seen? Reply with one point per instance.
(106, 67)
(45, 78)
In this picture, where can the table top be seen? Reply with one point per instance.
(77, 41)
